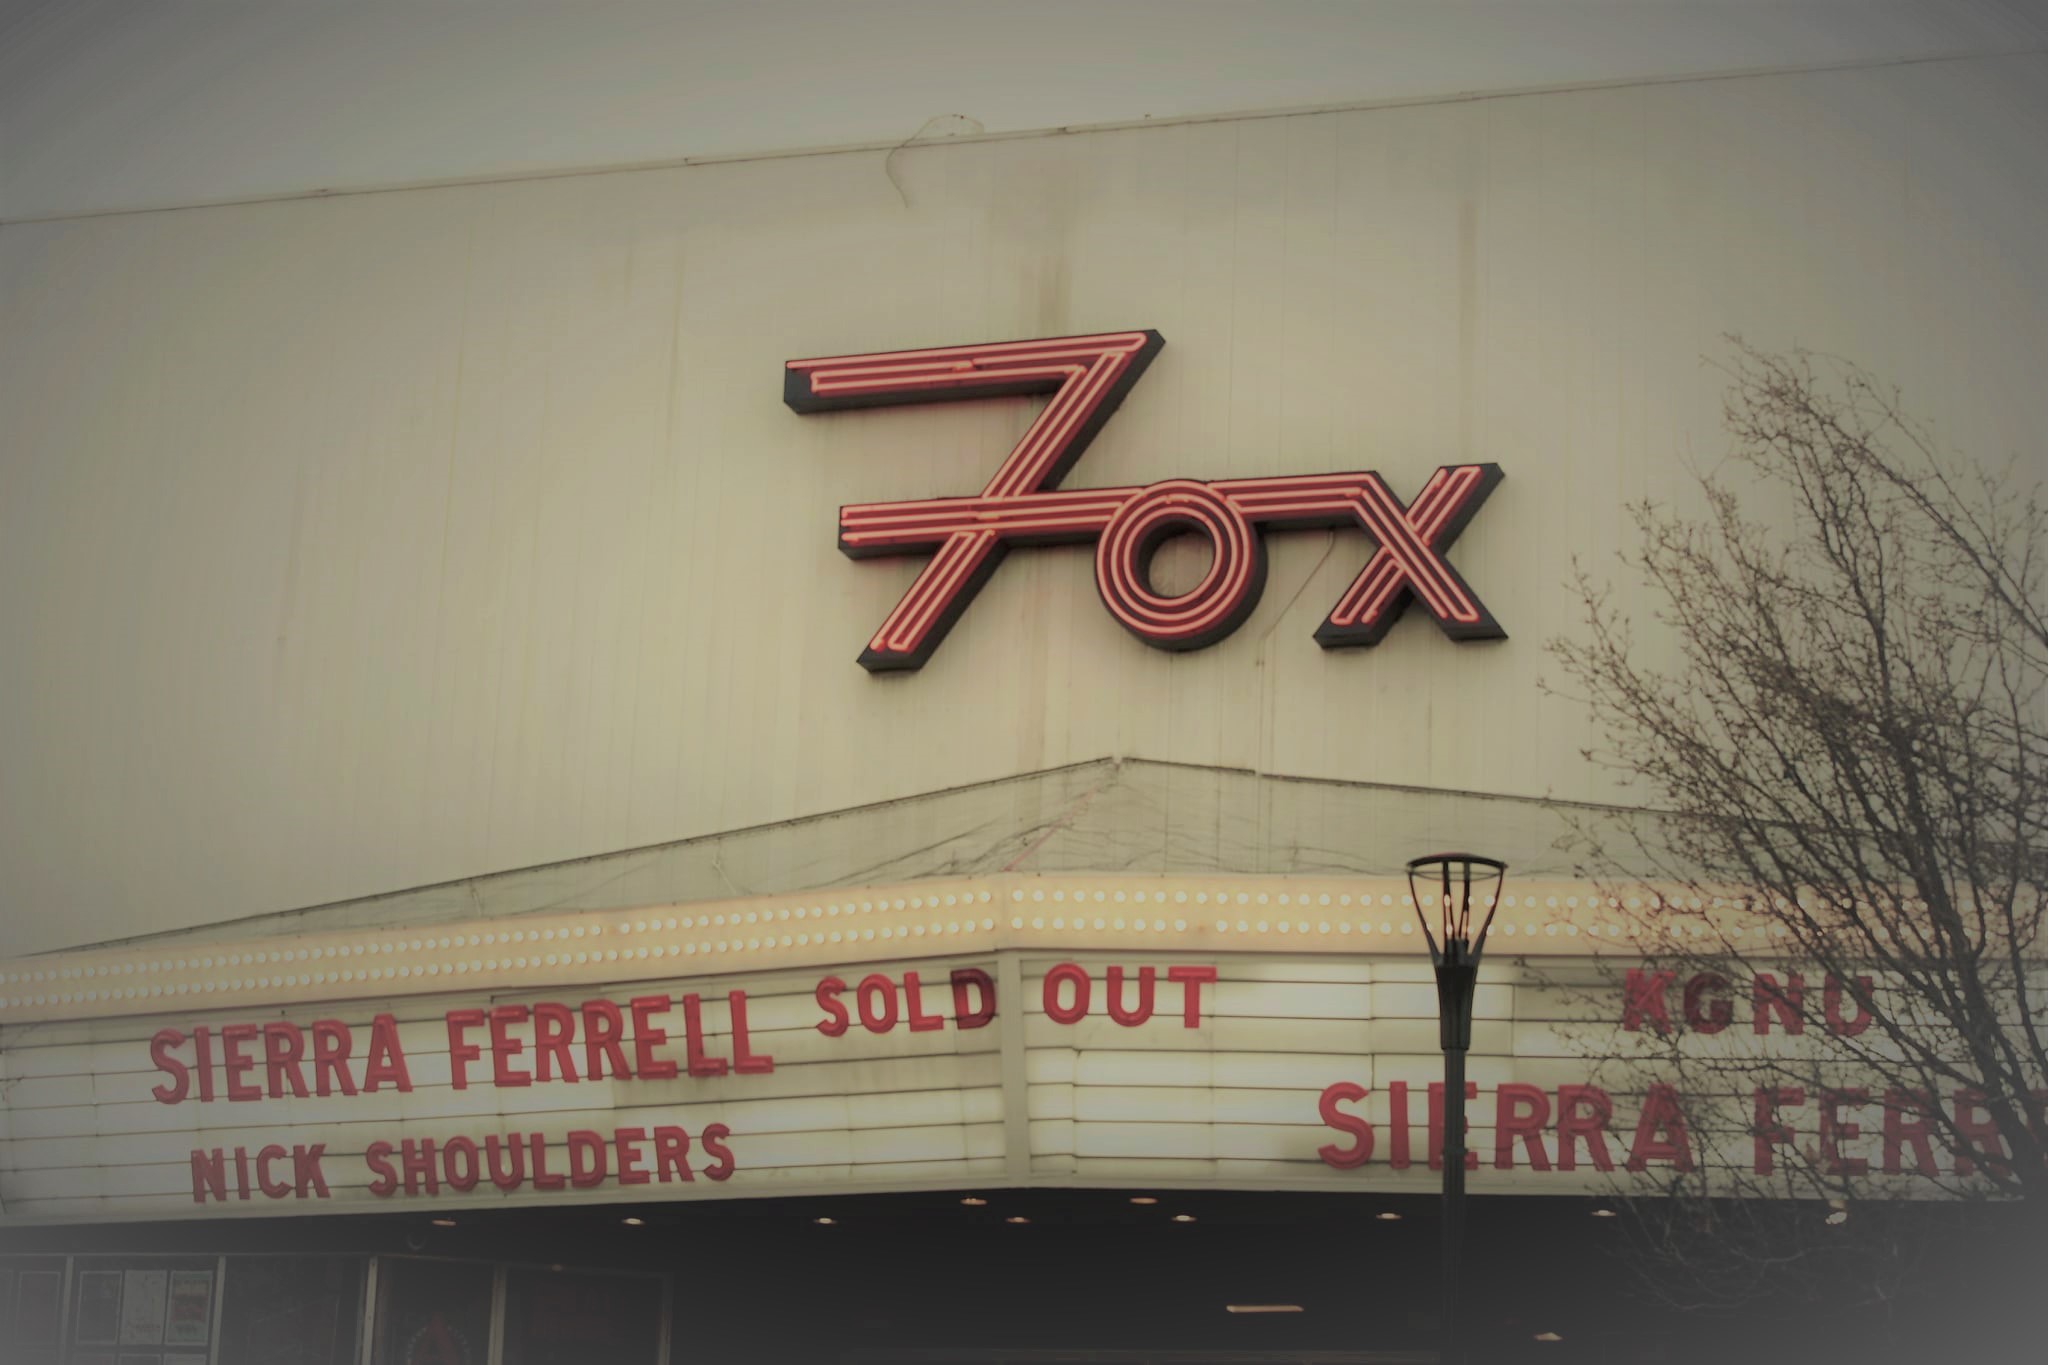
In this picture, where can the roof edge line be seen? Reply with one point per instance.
(1011, 135)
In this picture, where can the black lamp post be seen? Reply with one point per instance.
(1447, 878)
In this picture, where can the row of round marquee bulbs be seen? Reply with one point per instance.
(1221, 898)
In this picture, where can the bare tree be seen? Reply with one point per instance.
(1845, 744)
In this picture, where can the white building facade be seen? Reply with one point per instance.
(440, 774)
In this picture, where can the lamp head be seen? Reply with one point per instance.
(1444, 887)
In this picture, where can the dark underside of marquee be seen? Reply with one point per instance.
(921, 1278)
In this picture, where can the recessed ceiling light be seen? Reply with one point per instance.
(974, 1202)
(444, 1222)
(1143, 1199)
(825, 1222)
(1016, 1218)
(1183, 1218)
(1604, 1213)
(1548, 1336)
(1262, 1308)
(633, 1222)
(1388, 1216)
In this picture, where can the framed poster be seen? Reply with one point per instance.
(99, 1308)
(142, 1307)
(190, 1318)
(38, 1307)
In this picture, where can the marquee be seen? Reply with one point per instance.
(1013, 1030)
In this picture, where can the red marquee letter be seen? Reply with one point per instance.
(504, 1047)
(1356, 1125)
(646, 1038)
(1835, 1130)
(385, 1061)
(1908, 1120)
(1191, 979)
(1785, 1003)
(1718, 1012)
(1072, 1013)
(981, 1015)
(160, 1053)
(1660, 1132)
(1130, 1018)
(836, 1020)
(1643, 999)
(461, 1052)
(1768, 1131)
(1978, 1134)
(1590, 1126)
(1519, 1111)
(877, 1001)
(1831, 1007)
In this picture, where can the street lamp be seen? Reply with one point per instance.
(1447, 879)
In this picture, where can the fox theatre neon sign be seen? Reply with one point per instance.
(1088, 377)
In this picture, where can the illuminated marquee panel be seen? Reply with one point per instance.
(1103, 1028)
(1088, 377)
(1143, 1066)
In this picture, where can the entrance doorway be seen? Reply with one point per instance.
(433, 1311)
